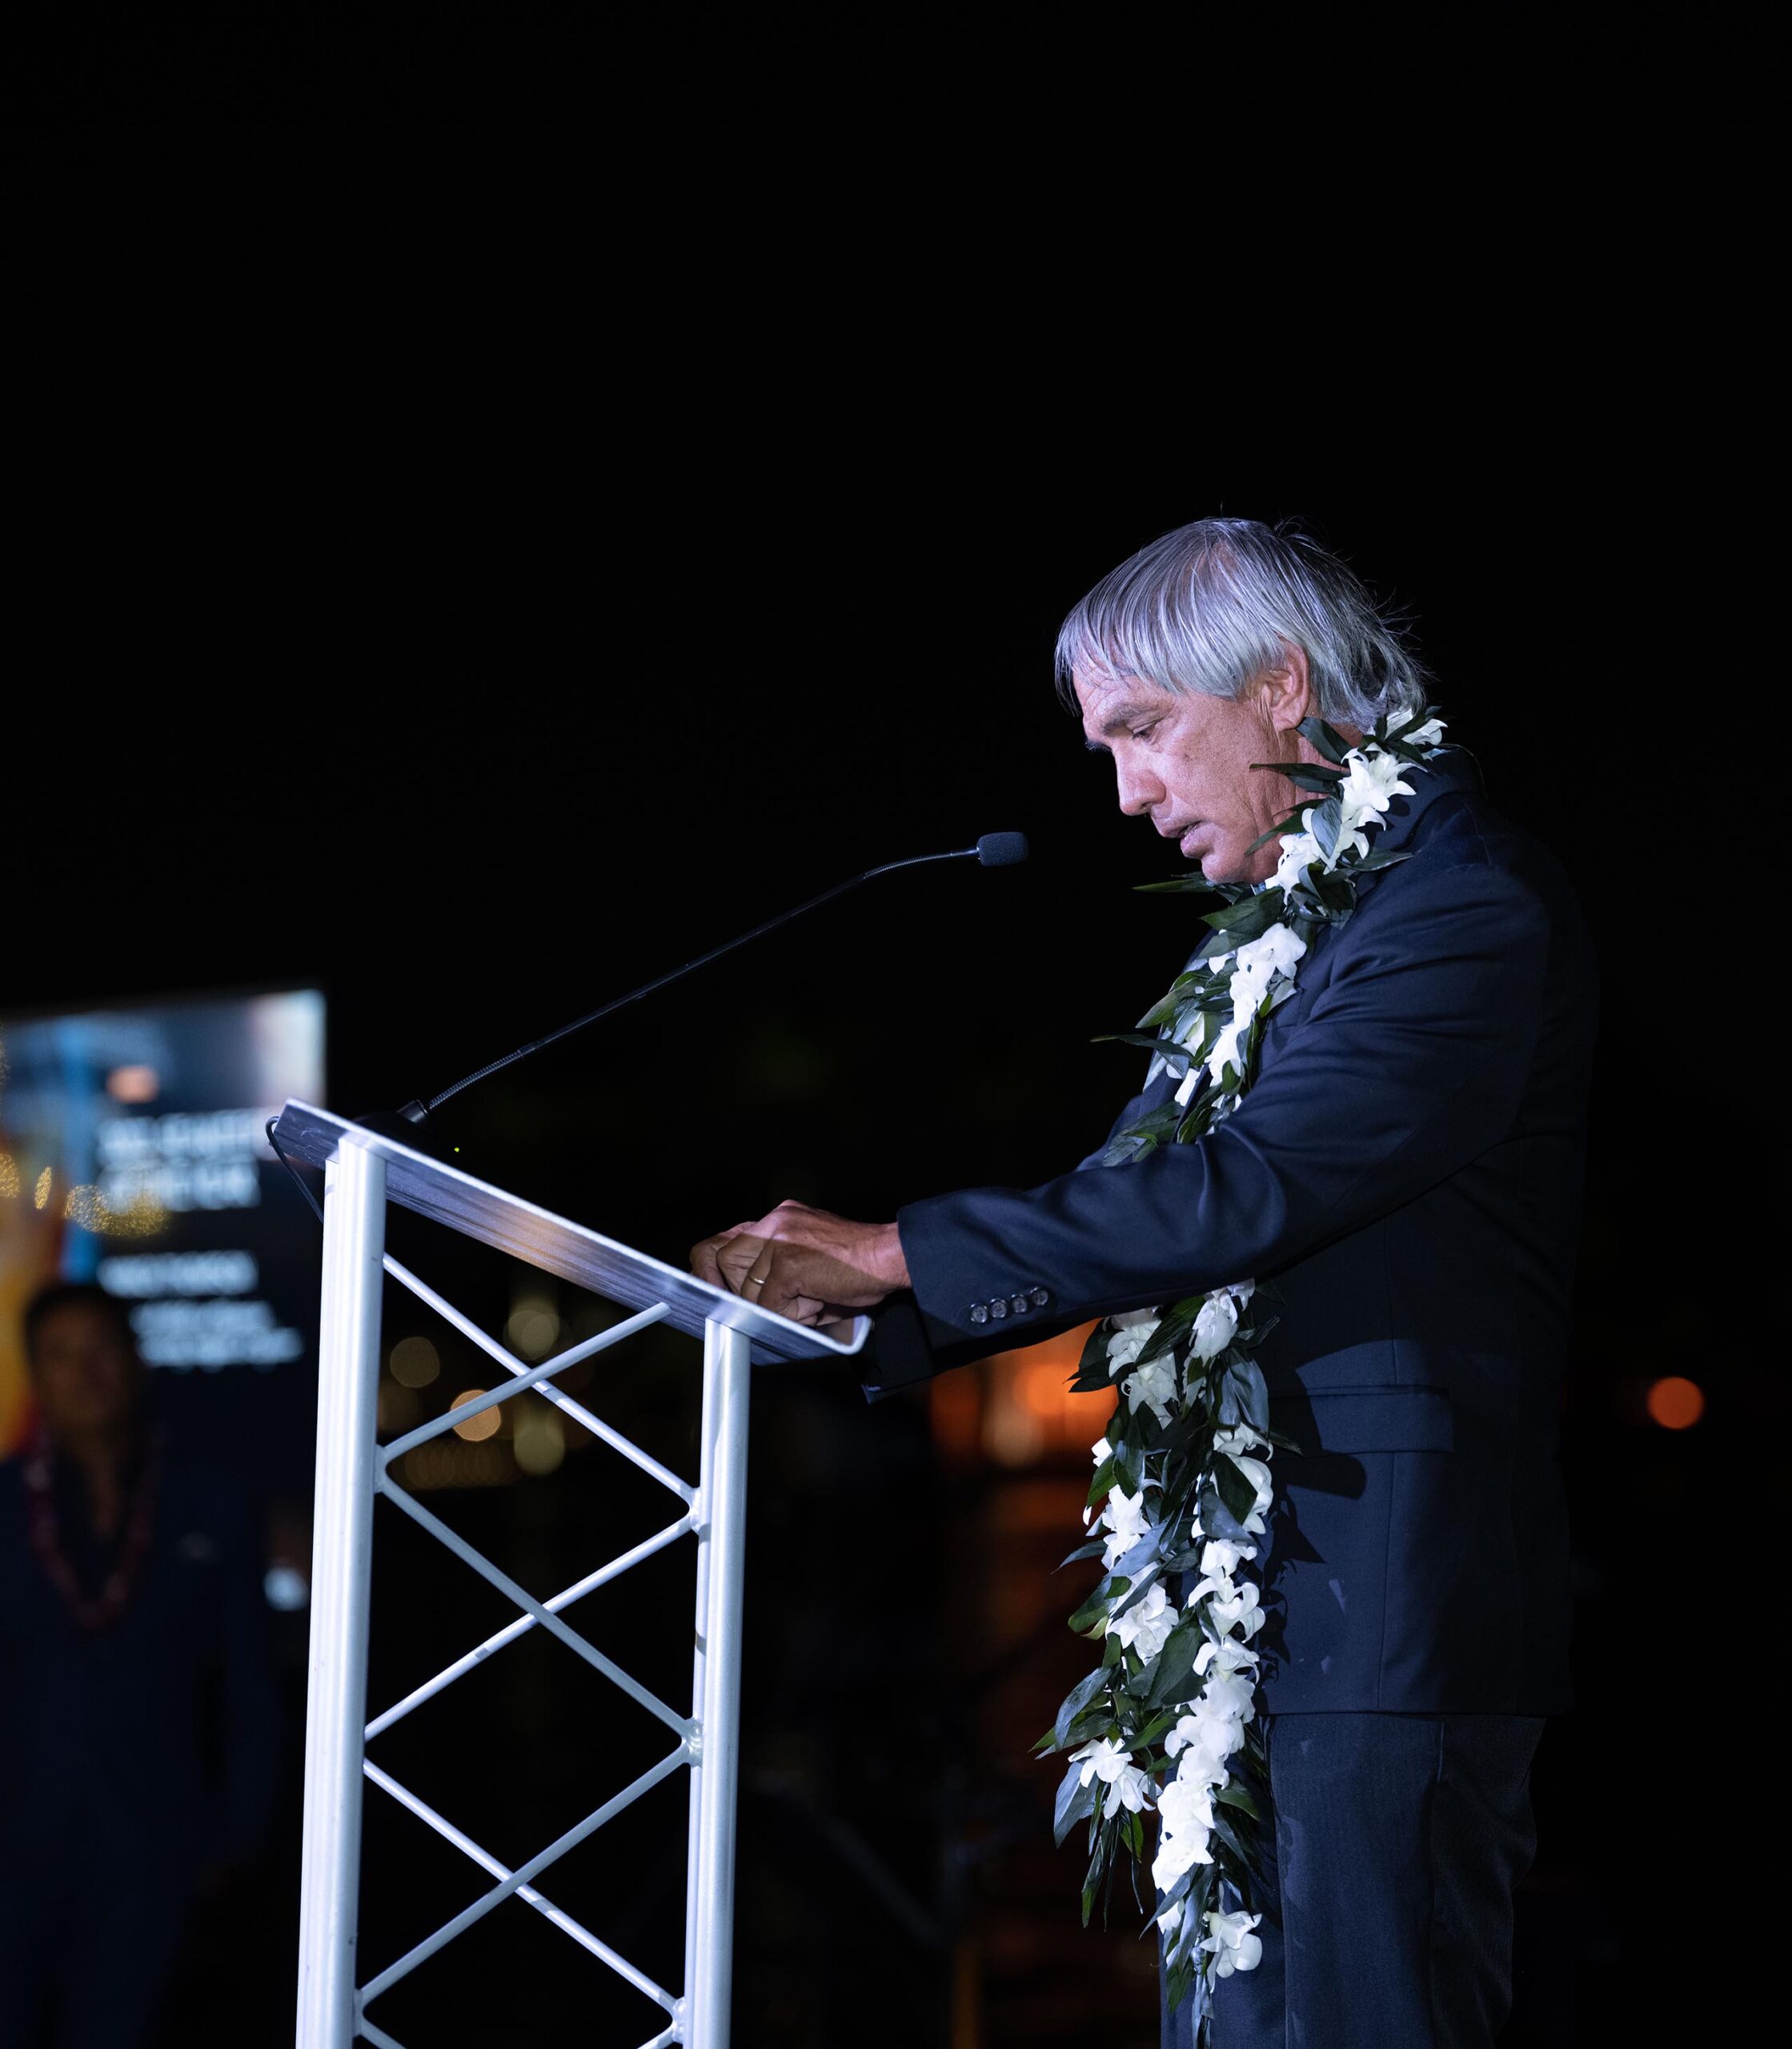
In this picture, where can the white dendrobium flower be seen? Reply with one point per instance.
(1231, 1606)
(1428, 735)
(1111, 1762)
(1278, 949)
(1214, 1325)
(1247, 991)
(1187, 1809)
(1239, 1440)
(1300, 850)
(1220, 1560)
(1204, 1739)
(1227, 1659)
(1124, 1516)
(1225, 1050)
(1351, 840)
(1146, 1627)
(1371, 781)
(1258, 1474)
(1152, 1386)
(1232, 1943)
(1103, 1450)
(1227, 1698)
(1260, 960)
(1132, 1329)
(1133, 1786)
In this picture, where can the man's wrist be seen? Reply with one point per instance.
(889, 1264)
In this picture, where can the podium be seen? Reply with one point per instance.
(363, 1172)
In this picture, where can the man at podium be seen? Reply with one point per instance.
(1392, 1139)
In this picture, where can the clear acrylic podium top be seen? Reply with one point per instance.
(585, 1258)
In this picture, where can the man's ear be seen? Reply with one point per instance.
(1287, 691)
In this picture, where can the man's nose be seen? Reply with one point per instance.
(1138, 791)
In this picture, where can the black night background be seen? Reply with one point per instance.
(471, 580)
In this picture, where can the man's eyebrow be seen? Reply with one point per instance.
(1124, 714)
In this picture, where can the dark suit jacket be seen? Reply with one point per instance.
(1407, 1170)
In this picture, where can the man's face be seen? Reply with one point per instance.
(1185, 761)
(85, 1374)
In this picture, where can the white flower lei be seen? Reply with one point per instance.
(1169, 1720)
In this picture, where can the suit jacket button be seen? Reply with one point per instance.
(998, 1308)
(1040, 1297)
(1020, 1303)
(980, 1312)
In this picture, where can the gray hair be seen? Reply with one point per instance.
(1213, 605)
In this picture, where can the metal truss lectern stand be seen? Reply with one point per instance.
(363, 1172)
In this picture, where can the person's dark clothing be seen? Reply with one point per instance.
(1398, 1841)
(1406, 1171)
(143, 1753)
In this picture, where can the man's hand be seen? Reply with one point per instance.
(805, 1263)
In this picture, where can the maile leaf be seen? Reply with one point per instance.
(1176, 1664)
(1177, 883)
(1095, 1609)
(1248, 919)
(1074, 1801)
(1330, 743)
(1280, 831)
(1236, 1490)
(1305, 775)
(1078, 1696)
(1217, 1520)
(1245, 1397)
(1175, 1057)
(1150, 1131)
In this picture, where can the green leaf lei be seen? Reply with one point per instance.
(1168, 1722)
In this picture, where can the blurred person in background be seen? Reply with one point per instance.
(137, 1709)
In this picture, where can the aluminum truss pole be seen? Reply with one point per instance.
(721, 1559)
(342, 1558)
(693, 1858)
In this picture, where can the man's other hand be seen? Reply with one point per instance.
(804, 1263)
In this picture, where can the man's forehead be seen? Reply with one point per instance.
(1112, 702)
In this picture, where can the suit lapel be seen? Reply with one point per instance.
(1453, 772)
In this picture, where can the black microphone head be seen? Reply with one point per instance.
(1002, 849)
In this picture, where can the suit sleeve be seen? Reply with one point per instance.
(1410, 1062)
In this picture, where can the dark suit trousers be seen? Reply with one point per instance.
(1399, 1838)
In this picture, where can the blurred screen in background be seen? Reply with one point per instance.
(132, 1153)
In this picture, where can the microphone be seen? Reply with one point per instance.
(993, 850)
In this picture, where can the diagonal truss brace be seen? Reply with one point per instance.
(490, 1864)
(521, 1876)
(331, 2010)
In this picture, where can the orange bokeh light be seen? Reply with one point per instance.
(1675, 1404)
(1016, 1409)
